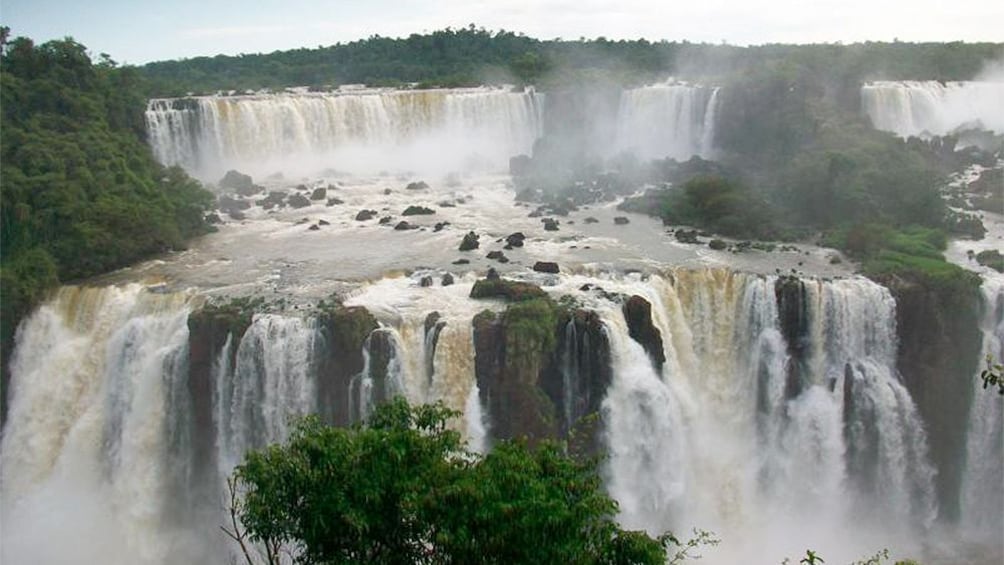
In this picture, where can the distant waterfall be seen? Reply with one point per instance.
(371, 130)
(927, 108)
(667, 120)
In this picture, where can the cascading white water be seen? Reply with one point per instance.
(714, 442)
(927, 108)
(87, 472)
(271, 382)
(667, 120)
(983, 479)
(368, 130)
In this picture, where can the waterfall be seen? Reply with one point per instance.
(368, 130)
(715, 440)
(87, 472)
(983, 479)
(667, 120)
(99, 449)
(928, 108)
(271, 382)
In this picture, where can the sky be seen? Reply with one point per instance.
(139, 31)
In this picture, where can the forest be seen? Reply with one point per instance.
(81, 192)
(471, 56)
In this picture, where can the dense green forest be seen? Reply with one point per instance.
(81, 191)
(470, 56)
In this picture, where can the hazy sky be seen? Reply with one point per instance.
(138, 31)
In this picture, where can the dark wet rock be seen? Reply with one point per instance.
(439, 226)
(446, 204)
(302, 187)
(417, 211)
(447, 279)
(492, 274)
(320, 193)
(418, 185)
(302, 221)
(334, 201)
(686, 236)
(462, 262)
(515, 239)
(236, 215)
(323, 223)
(386, 220)
(227, 204)
(403, 225)
(495, 255)
(545, 267)
(346, 332)
(470, 242)
(591, 220)
(425, 281)
(365, 215)
(621, 220)
(387, 191)
(213, 218)
(314, 227)
(717, 244)
(550, 224)
(239, 182)
(274, 198)
(638, 314)
(519, 165)
(299, 201)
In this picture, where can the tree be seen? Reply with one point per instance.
(403, 489)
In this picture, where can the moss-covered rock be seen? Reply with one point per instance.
(344, 331)
(513, 291)
(991, 258)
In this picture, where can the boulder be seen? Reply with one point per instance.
(545, 267)
(299, 201)
(717, 244)
(462, 262)
(515, 239)
(417, 185)
(591, 220)
(386, 220)
(519, 165)
(314, 227)
(439, 226)
(621, 220)
(417, 211)
(323, 223)
(470, 242)
(403, 225)
(320, 193)
(333, 201)
(447, 279)
(227, 204)
(365, 215)
(239, 182)
(550, 224)
(425, 281)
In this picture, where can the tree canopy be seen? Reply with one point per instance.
(403, 489)
(80, 191)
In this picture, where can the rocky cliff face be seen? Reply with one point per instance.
(939, 348)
